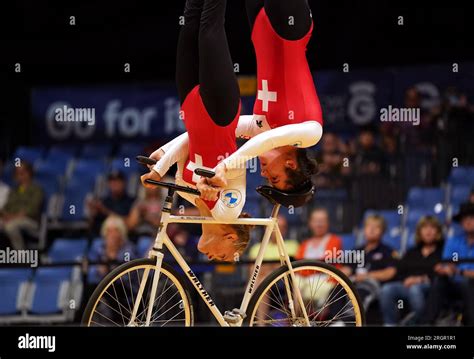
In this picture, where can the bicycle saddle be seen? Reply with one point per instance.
(286, 198)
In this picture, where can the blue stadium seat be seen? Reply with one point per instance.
(431, 199)
(63, 150)
(58, 161)
(462, 176)
(50, 289)
(460, 194)
(52, 166)
(126, 167)
(67, 250)
(29, 154)
(393, 238)
(88, 168)
(143, 245)
(11, 283)
(96, 150)
(130, 150)
(49, 183)
(348, 241)
(75, 195)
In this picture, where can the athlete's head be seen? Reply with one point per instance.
(224, 242)
(287, 168)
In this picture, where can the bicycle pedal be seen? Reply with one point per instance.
(234, 316)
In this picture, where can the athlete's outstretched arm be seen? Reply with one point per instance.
(303, 135)
(173, 152)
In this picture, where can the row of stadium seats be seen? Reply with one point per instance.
(441, 203)
(46, 295)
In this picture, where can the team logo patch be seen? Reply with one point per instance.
(231, 198)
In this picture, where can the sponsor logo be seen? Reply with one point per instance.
(231, 198)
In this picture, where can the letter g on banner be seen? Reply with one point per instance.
(361, 107)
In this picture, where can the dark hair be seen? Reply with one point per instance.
(243, 233)
(27, 166)
(306, 168)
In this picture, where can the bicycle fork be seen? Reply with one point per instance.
(155, 252)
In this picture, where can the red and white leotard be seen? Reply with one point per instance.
(286, 92)
(287, 111)
(207, 145)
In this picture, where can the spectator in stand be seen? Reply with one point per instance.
(271, 253)
(322, 243)
(4, 191)
(455, 280)
(330, 158)
(145, 215)
(379, 261)
(422, 136)
(115, 247)
(369, 158)
(22, 211)
(415, 272)
(471, 196)
(117, 202)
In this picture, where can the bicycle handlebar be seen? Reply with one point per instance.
(174, 187)
(147, 161)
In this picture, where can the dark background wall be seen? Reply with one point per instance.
(143, 33)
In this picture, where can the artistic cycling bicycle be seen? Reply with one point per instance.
(151, 292)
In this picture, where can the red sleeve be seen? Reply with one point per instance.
(301, 250)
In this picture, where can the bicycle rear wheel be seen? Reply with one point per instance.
(114, 299)
(328, 295)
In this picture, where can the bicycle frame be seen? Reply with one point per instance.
(163, 239)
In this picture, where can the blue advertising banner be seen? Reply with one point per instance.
(151, 112)
(106, 113)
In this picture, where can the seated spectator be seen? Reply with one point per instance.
(144, 218)
(379, 261)
(471, 196)
(117, 202)
(271, 252)
(322, 242)
(22, 211)
(330, 158)
(415, 272)
(115, 247)
(455, 281)
(369, 158)
(4, 191)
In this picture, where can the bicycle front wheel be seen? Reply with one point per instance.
(117, 297)
(329, 298)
